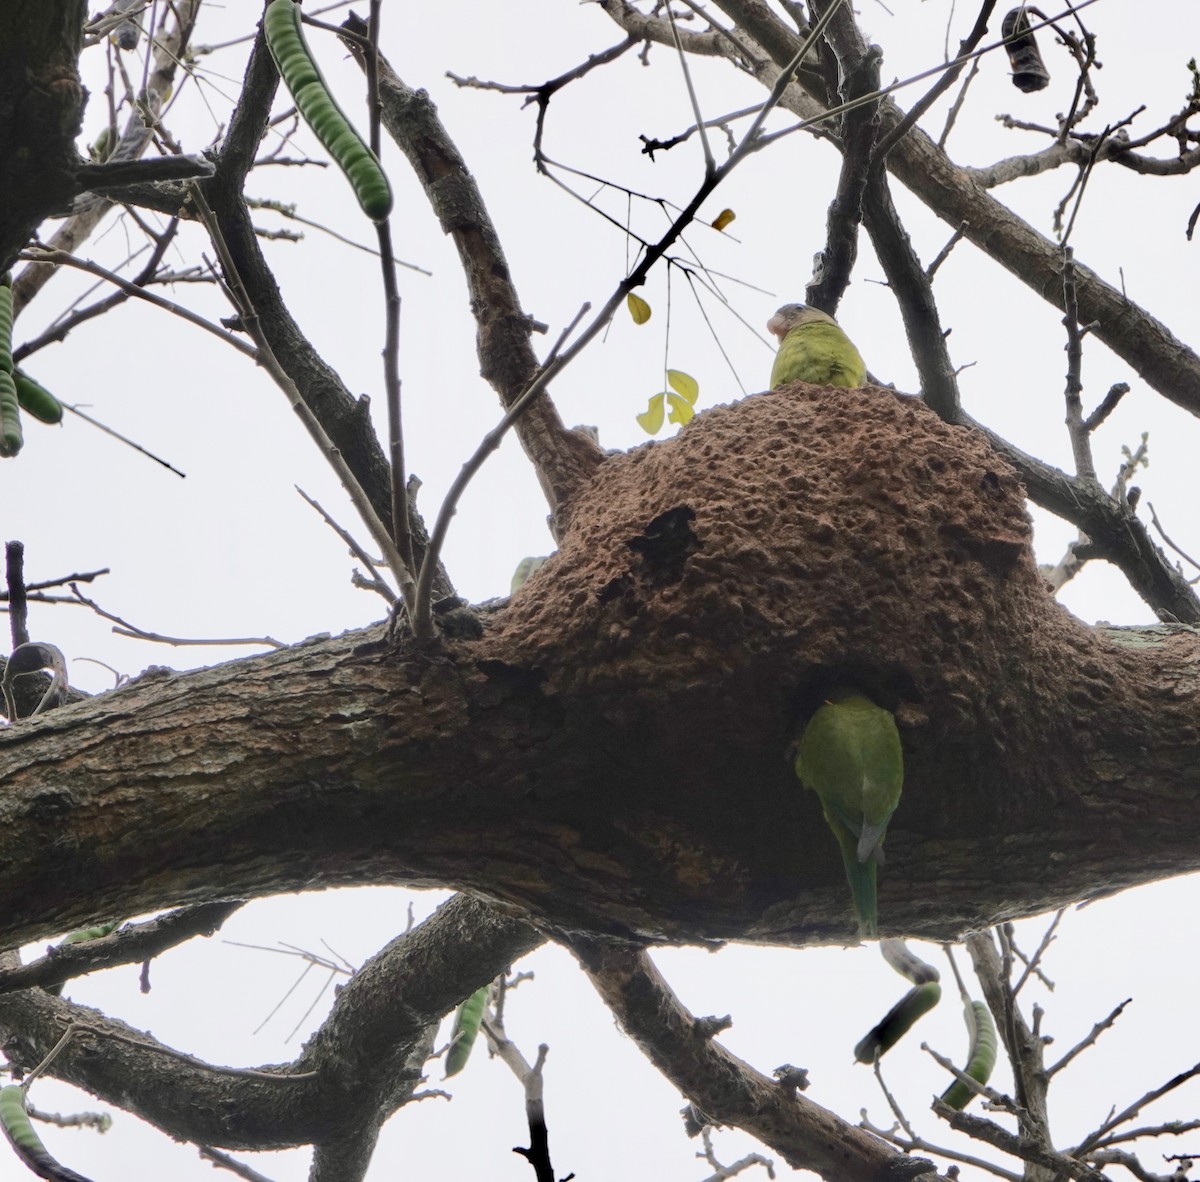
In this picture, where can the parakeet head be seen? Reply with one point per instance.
(792, 315)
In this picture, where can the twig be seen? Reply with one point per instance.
(1170, 1128)
(376, 582)
(14, 576)
(63, 326)
(87, 418)
(1163, 534)
(289, 211)
(1031, 964)
(1085, 175)
(957, 105)
(542, 93)
(998, 1099)
(100, 1121)
(1083, 548)
(1081, 444)
(650, 146)
(368, 51)
(584, 309)
(532, 1080)
(922, 1145)
(312, 961)
(199, 50)
(1118, 1157)
(267, 359)
(40, 254)
(1109, 403)
(965, 54)
(721, 1173)
(710, 162)
(944, 253)
(1133, 1109)
(893, 1103)
(84, 577)
(124, 628)
(232, 1165)
(1098, 1029)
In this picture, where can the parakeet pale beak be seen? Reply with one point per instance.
(777, 325)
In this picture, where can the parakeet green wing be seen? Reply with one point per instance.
(849, 754)
(813, 348)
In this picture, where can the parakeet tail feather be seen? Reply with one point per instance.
(861, 876)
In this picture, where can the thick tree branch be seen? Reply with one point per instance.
(544, 763)
(344, 419)
(41, 103)
(716, 43)
(129, 946)
(725, 1088)
(859, 129)
(169, 50)
(1114, 531)
(913, 289)
(947, 79)
(354, 1072)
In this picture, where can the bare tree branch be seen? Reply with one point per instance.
(562, 459)
(728, 1090)
(127, 946)
(1149, 347)
(354, 1071)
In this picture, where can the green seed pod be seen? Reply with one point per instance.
(981, 1059)
(6, 323)
(103, 145)
(36, 399)
(466, 1027)
(918, 1001)
(301, 75)
(11, 437)
(95, 932)
(28, 1145)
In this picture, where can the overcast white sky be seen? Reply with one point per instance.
(232, 550)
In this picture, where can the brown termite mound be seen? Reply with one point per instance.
(711, 587)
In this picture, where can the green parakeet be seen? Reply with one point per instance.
(849, 755)
(526, 569)
(813, 349)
